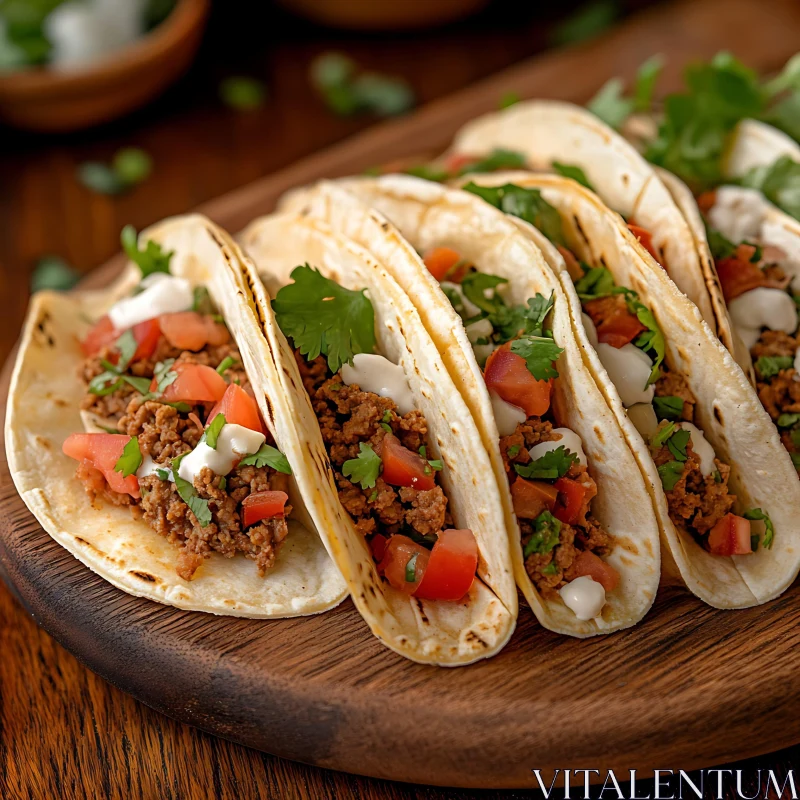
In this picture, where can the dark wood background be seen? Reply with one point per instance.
(64, 732)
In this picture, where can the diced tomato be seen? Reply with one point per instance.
(645, 238)
(572, 263)
(587, 563)
(101, 334)
(451, 567)
(440, 262)
(102, 451)
(399, 551)
(147, 334)
(706, 201)
(239, 409)
(196, 383)
(403, 467)
(532, 497)
(730, 537)
(570, 500)
(188, 330)
(377, 546)
(619, 328)
(507, 374)
(737, 276)
(263, 505)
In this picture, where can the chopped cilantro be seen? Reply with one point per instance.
(387, 416)
(717, 476)
(197, 505)
(242, 93)
(779, 182)
(223, 483)
(546, 534)
(527, 204)
(668, 407)
(386, 426)
(164, 375)
(428, 540)
(429, 172)
(213, 430)
(163, 474)
(513, 451)
(436, 464)
(670, 473)
(509, 99)
(538, 309)
(788, 420)
(373, 497)
(596, 282)
(202, 302)
(720, 246)
(496, 160)
(365, 468)
(550, 569)
(540, 354)
(552, 465)
(131, 458)
(769, 528)
(268, 456)
(651, 339)
(126, 346)
(646, 79)
(662, 434)
(52, 272)
(769, 366)
(322, 317)
(795, 460)
(677, 443)
(411, 569)
(572, 171)
(610, 103)
(226, 364)
(132, 165)
(151, 259)
(477, 285)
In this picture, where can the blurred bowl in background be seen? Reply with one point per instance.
(44, 99)
(382, 14)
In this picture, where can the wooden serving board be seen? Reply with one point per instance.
(688, 687)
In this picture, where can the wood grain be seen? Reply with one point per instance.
(67, 733)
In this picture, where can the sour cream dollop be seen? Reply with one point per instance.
(150, 467)
(233, 443)
(762, 307)
(482, 329)
(376, 374)
(164, 294)
(584, 597)
(738, 213)
(703, 450)
(629, 369)
(569, 440)
(644, 419)
(506, 416)
(775, 234)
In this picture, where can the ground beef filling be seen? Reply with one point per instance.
(550, 571)
(673, 384)
(348, 417)
(164, 434)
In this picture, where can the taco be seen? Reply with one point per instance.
(724, 488)
(582, 530)
(552, 136)
(390, 460)
(147, 432)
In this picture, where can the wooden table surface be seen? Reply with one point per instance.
(64, 732)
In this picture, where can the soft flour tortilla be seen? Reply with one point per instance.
(756, 144)
(427, 215)
(43, 409)
(728, 410)
(545, 131)
(438, 632)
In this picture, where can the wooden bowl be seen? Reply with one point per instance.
(43, 99)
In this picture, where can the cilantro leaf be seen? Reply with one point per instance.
(646, 79)
(197, 505)
(513, 451)
(540, 354)
(769, 528)
(670, 473)
(202, 302)
(163, 474)
(610, 103)
(596, 282)
(546, 535)
(527, 204)
(225, 364)
(429, 172)
(795, 460)
(662, 434)
(126, 346)
(571, 171)
(668, 407)
(677, 443)
(428, 540)
(553, 464)
(164, 375)
(496, 160)
(131, 458)
(720, 246)
(322, 317)
(788, 420)
(478, 288)
(151, 259)
(509, 99)
(268, 456)
(652, 339)
(213, 430)
(779, 183)
(411, 569)
(550, 569)
(365, 468)
(769, 366)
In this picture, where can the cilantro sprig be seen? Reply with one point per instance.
(769, 528)
(769, 366)
(552, 465)
(779, 182)
(130, 460)
(572, 171)
(540, 354)
(213, 431)
(365, 468)
(546, 535)
(268, 456)
(151, 259)
(322, 317)
(668, 407)
(113, 376)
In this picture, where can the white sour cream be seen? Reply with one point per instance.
(738, 213)
(762, 307)
(470, 309)
(629, 369)
(482, 329)
(506, 416)
(164, 295)
(591, 330)
(569, 440)
(644, 419)
(584, 596)
(482, 353)
(150, 467)
(703, 450)
(233, 442)
(774, 233)
(376, 374)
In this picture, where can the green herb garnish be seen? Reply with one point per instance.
(242, 93)
(670, 472)
(268, 456)
(769, 528)
(213, 430)
(668, 407)
(769, 366)
(365, 468)
(225, 364)
(52, 272)
(497, 160)
(131, 458)
(411, 569)
(572, 171)
(151, 259)
(552, 465)
(540, 354)
(546, 535)
(197, 505)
